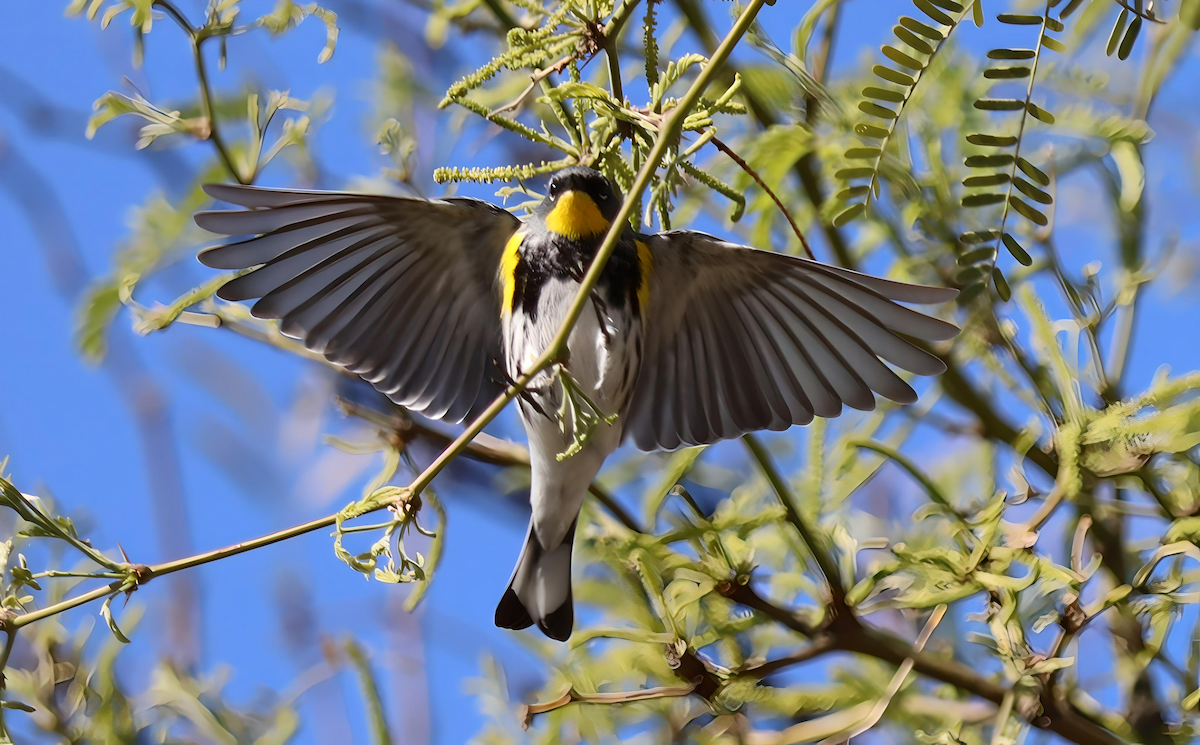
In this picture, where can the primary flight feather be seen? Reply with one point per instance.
(688, 339)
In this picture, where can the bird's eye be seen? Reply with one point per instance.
(554, 189)
(603, 196)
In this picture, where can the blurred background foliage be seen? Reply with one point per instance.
(1012, 559)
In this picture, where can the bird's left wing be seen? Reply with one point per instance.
(401, 291)
(739, 339)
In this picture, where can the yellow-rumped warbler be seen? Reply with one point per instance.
(689, 339)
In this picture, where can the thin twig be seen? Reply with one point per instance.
(484, 448)
(196, 40)
(10, 640)
(1140, 13)
(898, 679)
(813, 540)
(534, 79)
(820, 646)
(570, 696)
(758, 179)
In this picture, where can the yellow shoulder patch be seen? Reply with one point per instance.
(508, 270)
(646, 264)
(576, 216)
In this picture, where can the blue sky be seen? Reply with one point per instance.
(70, 434)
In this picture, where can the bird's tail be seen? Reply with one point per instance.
(540, 589)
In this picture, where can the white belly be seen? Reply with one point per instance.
(605, 367)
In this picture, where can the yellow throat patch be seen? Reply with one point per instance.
(576, 216)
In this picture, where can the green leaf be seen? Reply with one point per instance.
(892, 76)
(107, 614)
(1050, 665)
(870, 131)
(1007, 73)
(1053, 44)
(982, 200)
(1114, 37)
(1131, 35)
(874, 109)
(991, 140)
(99, 307)
(846, 174)
(979, 236)
(883, 94)
(975, 256)
(933, 12)
(1010, 54)
(1019, 19)
(992, 179)
(969, 292)
(1189, 14)
(977, 13)
(900, 58)
(973, 274)
(1014, 248)
(1054, 24)
(17, 705)
(1028, 212)
(911, 39)
(288, 14)
(1040, 114)
(380, 733)
(988, 161)
(949, 5)
(853, 192)
(847, 215)
(929, 32)
(1070, 8)
(1193, 698)
(1002, 288)
(862, 153)
(1032, 191)
(999, 104)
(1033, 172)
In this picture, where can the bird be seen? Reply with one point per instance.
(687, 339)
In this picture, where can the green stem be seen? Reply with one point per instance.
(813, 540)
(170, 567)
(11, 634)
(931, 488)
(1012, 176)
(196, 39)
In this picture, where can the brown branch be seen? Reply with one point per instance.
(820, 646)
(1056, 715)
(570, 696)
(758, 179)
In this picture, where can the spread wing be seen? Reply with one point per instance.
(401, 291)
(739, 340)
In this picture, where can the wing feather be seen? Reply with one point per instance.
(739, 340)
(400, 291)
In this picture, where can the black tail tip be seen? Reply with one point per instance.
(558, 624)
(511, 613)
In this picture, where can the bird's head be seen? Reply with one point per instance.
(579, 203)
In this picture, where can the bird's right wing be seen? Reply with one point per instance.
(400, 291)
(739, 339)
